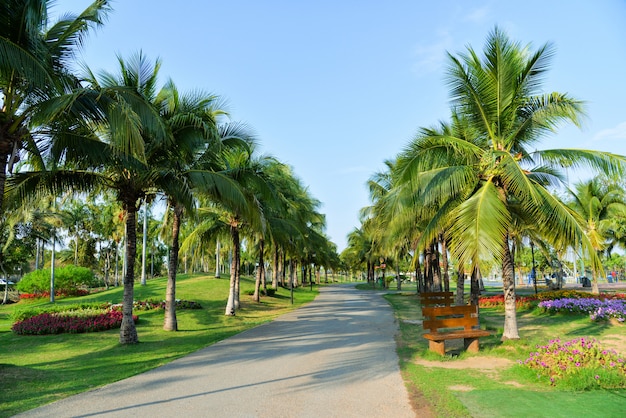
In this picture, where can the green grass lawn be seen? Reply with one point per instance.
(35, 370)
(456, 390)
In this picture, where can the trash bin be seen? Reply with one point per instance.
(585, 281)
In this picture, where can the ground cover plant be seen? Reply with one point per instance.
(44, 368)
(494, 383)
(581, 363)
(597, 309)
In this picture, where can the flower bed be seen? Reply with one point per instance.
(74, 292)
(80, 322)
(581, 363)
(160, 304)
(524, 302)
(79, 318)
(597, 309)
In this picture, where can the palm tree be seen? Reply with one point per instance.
(193, 162)
(484, 182)
(600, 204)
(220, 215)
(34, 68)
(111, 151)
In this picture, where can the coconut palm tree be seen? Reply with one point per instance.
(219, 216)
(193, 162)
(34, 70)
(483, 182)
(110, 151)
(601, 204)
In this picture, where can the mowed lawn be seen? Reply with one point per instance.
(35, 370)
(491, 383)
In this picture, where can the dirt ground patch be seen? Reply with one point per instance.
(615, 342)
(479, 363)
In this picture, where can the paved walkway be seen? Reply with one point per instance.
(332, 358)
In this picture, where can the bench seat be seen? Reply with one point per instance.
(450, 323)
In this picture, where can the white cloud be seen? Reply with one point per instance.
(611, 134)
(478, 15)
(430, 57)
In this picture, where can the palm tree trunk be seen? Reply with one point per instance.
(435, 266)
(510, 331)
(259, 272)
(128, 331)
(419, 278)
(428, 271)
(595, 289)
(52, 262)
(444, 263)
(399, 287)
(144, 242)
(276, 263)
(474, 285)
(217, 259)
(37, 241)
(76, 248)
(170, 323)
(234, 268)
(6, 145)
(460, 287)
(5, 297)
(117, 264)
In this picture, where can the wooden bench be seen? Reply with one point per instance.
(452, 322)
(428, 299)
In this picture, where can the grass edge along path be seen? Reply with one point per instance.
(36, 370)
(500, 392)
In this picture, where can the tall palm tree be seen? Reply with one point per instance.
(600, 204)
(34, 68)
(218, 216)
(193, 162)
(111, 152)
(486, 181)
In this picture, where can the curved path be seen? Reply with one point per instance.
(334, 357)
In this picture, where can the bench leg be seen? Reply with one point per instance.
(438, 347)
(471, 345)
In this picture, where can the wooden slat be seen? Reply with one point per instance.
(449, 310)
(437, 336)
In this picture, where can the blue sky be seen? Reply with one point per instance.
(334, 88)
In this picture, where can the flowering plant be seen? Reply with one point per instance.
(596, 308)
(74, 323)
(581, 362)
(150, 304)
(524, 302)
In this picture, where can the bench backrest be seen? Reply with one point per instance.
(464, 316)
(436, 299)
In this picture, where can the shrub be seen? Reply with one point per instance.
(67, 281)
(577, 294)
(580, 363)
(524, 302)
(28, 312)
(150, 304)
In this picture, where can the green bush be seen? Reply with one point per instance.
(67, 280)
